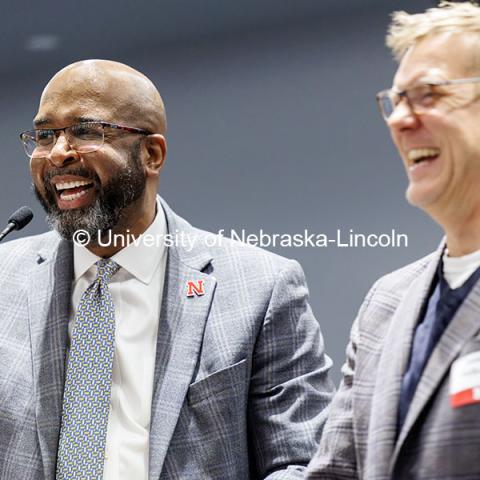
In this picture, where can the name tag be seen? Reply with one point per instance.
(465, 380)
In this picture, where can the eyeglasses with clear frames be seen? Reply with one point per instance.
(419, 98)
(84, 137)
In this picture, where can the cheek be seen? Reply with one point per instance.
(106, 169)
(396, 142)
(394, 137)
(463, 148)
(110, 163)
(36, 172)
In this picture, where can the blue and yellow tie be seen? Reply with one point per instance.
(86, 399)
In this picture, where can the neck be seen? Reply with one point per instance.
(462, 230)
(463, 243)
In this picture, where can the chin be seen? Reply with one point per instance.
(419, 197)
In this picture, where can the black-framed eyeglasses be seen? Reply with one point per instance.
(419, 98)
(84, 137)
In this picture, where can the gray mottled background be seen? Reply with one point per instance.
(272, 121)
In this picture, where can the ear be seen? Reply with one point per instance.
(156, 146)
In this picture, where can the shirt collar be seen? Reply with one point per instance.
(140, 259)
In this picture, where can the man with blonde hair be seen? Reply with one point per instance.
(409, 403)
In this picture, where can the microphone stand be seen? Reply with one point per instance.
(11, 226)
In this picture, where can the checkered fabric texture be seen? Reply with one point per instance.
(436, 442)
(241, 383)
(86, 400)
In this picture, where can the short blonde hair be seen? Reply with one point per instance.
(406, 29)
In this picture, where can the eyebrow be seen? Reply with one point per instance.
(39, 122)
(422, 78)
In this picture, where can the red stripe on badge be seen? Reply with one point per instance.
(465, 397)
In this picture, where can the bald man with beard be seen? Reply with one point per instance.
(122, 358)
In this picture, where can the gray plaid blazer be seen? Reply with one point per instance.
(241, 379)
(436, 441)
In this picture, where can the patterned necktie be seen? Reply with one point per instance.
(86, 399)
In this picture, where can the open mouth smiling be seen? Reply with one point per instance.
(416, 156)
(72, 192)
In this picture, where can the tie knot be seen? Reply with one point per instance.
(106, 269)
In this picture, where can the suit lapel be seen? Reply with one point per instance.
(392, 364)
(180, 334)
(463, 326)
(182, 323)
(49, 303)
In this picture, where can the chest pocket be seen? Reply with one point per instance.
(219, 383)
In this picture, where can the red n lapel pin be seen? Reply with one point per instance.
(195, 288)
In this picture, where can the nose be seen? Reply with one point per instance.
(62, 153)
(403, 117)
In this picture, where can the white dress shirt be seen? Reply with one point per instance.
(457, 270)
(136, 290)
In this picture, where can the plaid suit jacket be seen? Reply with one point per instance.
(436, 442)
(241, 379)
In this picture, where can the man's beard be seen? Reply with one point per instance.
(123, 189)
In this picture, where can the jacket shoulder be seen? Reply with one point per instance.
(398, 281)
(27, 249)
(247, 258)
(387, 294)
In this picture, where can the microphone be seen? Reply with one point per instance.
(17, 221)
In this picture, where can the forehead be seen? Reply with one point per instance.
(446, 55)
(73, 95)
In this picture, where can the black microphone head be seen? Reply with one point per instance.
(21, 217)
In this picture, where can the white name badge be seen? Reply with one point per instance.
(465, 380)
